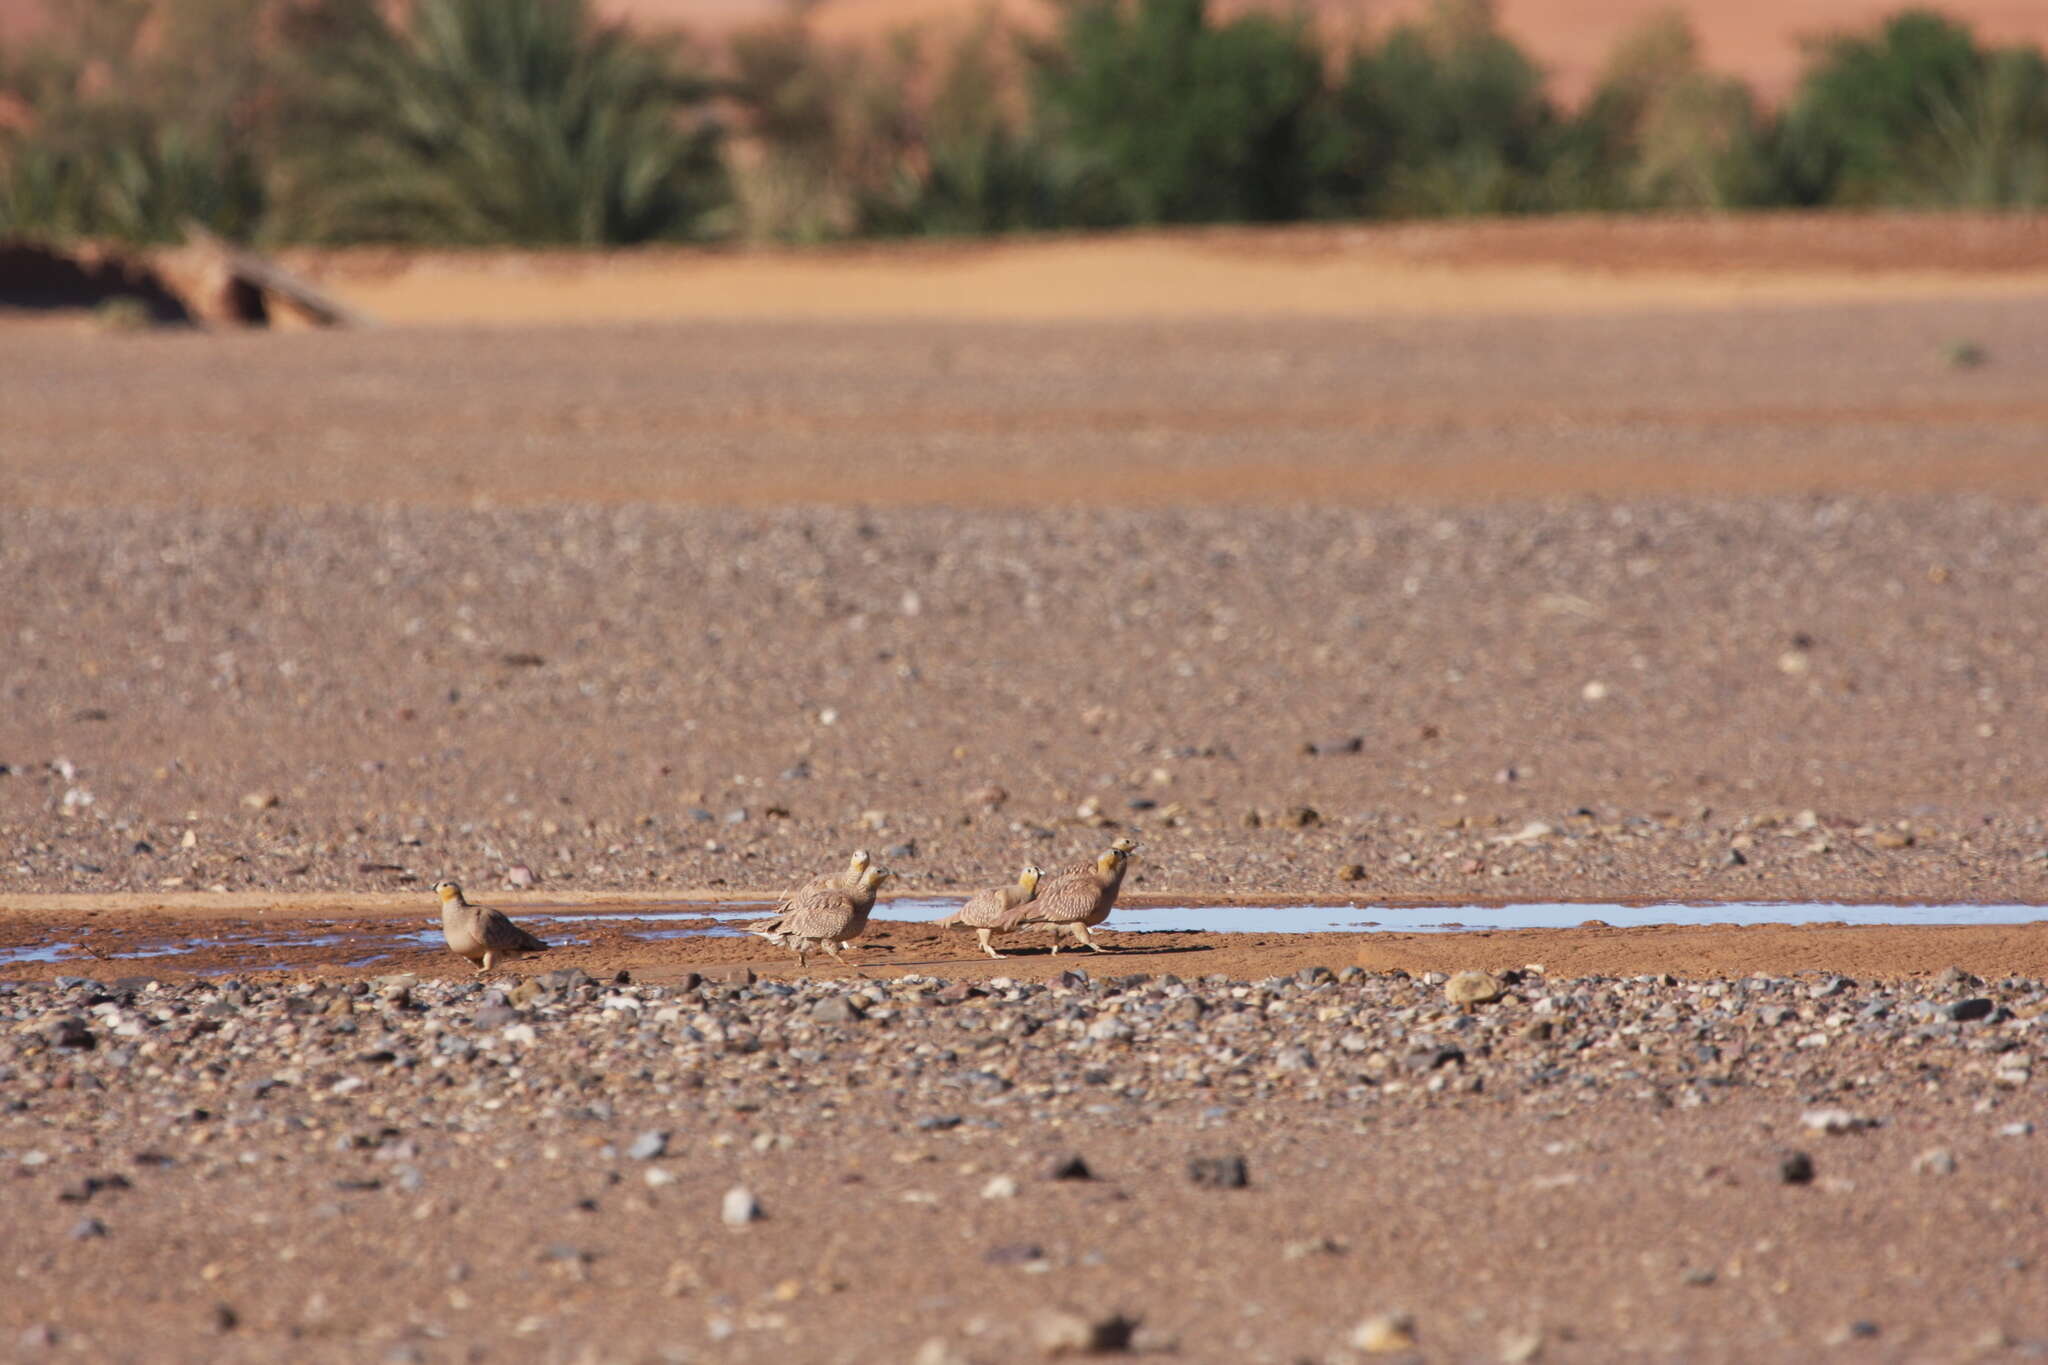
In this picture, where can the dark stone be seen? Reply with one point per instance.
(1070, 1168)
(71, 1032)
(90, 1186)
(1314, 976)
(1071, 979)
(85, 1229)
(1324, 748)
(1966, 1011)
(622, 977)
(1434, 1058)
(1013, 1253)
(565, 978)
(1795, 1168)
(494, 1017)
(1219, 1172)
(225, 1318)
(836, 1009)
(358, 1186)
(938, 1123)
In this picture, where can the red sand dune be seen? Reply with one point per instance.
(1758, 39)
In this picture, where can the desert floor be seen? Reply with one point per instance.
(1690, 561)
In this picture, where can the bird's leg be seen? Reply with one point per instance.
(986, 946)
(1054, 930)
(833, 948)
(1088, 937)
(801, 959)
(1081, 935)
(490, 961)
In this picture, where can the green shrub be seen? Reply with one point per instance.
(1917, 113)
(479, 121)
(910, 136)
(1661, 131)
(134, 131)
(1170, 117)
(984, 167)
(1445, 117)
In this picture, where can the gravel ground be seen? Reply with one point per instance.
(1727, 699)
(576, 1170)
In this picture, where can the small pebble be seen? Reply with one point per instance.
(740, 1207)
(1385, 1334)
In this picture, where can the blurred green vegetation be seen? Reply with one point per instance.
(531, 121)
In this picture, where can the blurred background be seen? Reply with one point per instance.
(1426, 449)
(541, 121)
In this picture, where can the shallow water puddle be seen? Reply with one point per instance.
(1567, 915)
(1316, 919)
(48, 952)
(670, 921)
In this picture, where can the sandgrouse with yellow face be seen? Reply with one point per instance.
(987, 911)
(850, 880)
(1076, 898)
(827, 917)
(479, 933)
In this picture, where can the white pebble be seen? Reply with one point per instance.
(740, 1207)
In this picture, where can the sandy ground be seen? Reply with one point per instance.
(1659, 601)
(1553, 266)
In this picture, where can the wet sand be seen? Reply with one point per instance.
(341, 938)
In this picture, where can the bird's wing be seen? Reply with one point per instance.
(499, 932)
(823, 913)
(983, 908)
(1059, 899)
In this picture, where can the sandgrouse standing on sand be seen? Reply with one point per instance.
(479, 933)
(848, 880)
(986, 911)
(827, 917)
(1076, 898)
